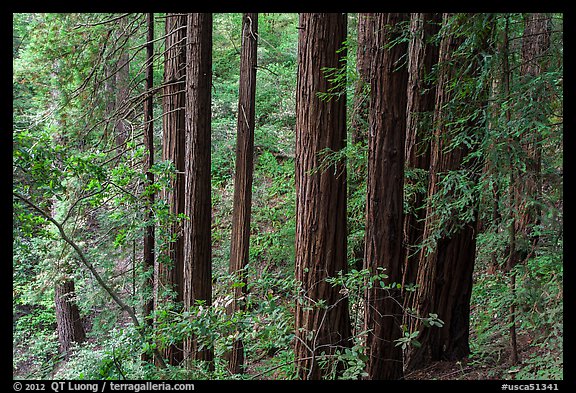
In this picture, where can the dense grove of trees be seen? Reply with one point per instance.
(287, 196)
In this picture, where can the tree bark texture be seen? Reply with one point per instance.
(322, 317)
(364, 52)
(198, 204)
(240, 242)
(422, 57)
(170, 266)
(444, 275)
(384, 200)
(68, 321)
(148, 163)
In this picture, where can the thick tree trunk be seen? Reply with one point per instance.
(322, 318)
(169, 275)
(422, 57)
(444, 276)
(198, 205)
(240, 242)
(68, 321)
(148, 163)
(384, 201)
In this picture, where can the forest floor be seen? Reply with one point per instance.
(497, 367)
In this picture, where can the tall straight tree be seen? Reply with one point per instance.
(240, 241)
(322, 317)
(170, 266)
(359, 116)
(122, 85)
(384, 199)
(198, 204)
(422, 57)
(525, 184)
(445, 266)
(148, 163)
(535, 43)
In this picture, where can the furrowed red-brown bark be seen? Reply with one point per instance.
(444, 276)
(198, 204)
(240, 242)
(361, 104)
(148, 163)
(363, 54)
(170, 267)
(422, 57)
(429, 271)
(384, 200)
(68, 321)
(320, 195)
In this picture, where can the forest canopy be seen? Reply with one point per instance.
(287, 196)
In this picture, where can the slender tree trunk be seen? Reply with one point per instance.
(240, 242)
(525, 185)
(535, 43)
(512, 255)
(68, 321)
(198, 205)
(422, 57)
(322, 318)
(170, 266)
(148, 163)
(121, 130)
(361, 104)
(384, 201)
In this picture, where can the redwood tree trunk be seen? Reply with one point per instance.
(364, 52)
(148, 163)
(422, 57)
(525, 185)
(320, 195)
(69, 323)
(384, 200)
(360, 108)
(444, 275)
(240, 242)
(198, 205)
(170, 266)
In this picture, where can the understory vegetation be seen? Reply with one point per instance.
(78, 154)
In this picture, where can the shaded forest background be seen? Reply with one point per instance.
(98, 100)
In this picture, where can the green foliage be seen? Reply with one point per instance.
(115, 357)
(66, 160)
(265, 326)
(35, 353)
